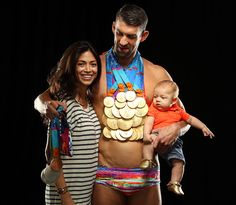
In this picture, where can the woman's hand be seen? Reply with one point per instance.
(66, 199)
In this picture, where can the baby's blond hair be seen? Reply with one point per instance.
(171, 85)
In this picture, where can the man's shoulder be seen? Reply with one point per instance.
(154, 69)
(151, 66)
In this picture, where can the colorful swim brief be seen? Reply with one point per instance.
(128, 181)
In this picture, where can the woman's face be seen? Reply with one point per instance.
(86, 69)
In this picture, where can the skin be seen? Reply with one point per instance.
(163, 98)
(113, 153)
(152, 74)
(86, 72)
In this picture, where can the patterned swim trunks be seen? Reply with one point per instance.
(128, 181)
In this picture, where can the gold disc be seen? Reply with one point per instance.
(130, 95)
(120, 97)
(108, 113)
(106, 132)
(126, 133)
(115, 112)
(137, 121)
(112, 123)
(108, 101)
(141, 102)
(126, 112)
(119, 137)
(124, 124)
(120, 104)
(141, 112)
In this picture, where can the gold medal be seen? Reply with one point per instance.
(119, 137)
(113, 134)
(141, 112)
(127, 113)
(130, 95)
(115, 112)
(120, 104)
(106, 132)
(108, 113)
(133, 104)
(108, 101)
(121, 97)
(134, 135)
(137, 121)
(139, 131)
(142, 102)
(124, 116)
(124, 124)
(112, 123)
(126, 134)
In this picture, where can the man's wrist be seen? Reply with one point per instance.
(40, 106)
(183, 130)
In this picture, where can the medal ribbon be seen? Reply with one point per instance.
(60, 140)
(117, 76)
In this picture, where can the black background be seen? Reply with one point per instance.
(191, 39)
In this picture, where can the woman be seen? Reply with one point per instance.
(74, 81)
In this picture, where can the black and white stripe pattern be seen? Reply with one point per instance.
(79, 170)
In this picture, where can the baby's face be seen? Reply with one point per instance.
(162, 98)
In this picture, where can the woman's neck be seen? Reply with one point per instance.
(82, 98)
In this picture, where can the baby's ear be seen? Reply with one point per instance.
(174, 100)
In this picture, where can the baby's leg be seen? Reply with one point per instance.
(177, 171)
(148, 155)
(148, 151)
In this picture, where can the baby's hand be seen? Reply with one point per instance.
(152, 137)
(148, 139)
(207, 132)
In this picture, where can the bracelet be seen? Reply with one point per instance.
(62, 191)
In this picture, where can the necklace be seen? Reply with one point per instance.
(81, 101)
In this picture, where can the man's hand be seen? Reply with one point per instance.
(48, 108)
(166, 137)
(51, 108)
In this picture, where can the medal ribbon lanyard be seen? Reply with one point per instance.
(134, 71)
(60, 140)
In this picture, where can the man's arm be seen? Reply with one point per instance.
(46, 106)
(41, 101)
(168, 135)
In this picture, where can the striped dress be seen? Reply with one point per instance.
(80, 169)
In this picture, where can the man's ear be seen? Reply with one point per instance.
(144, 35)
(113, 27)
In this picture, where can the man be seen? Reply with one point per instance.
(126, 79)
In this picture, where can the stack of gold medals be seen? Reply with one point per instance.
(124, 115)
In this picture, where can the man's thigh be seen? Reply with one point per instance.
(105, 195)
(148, 196)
